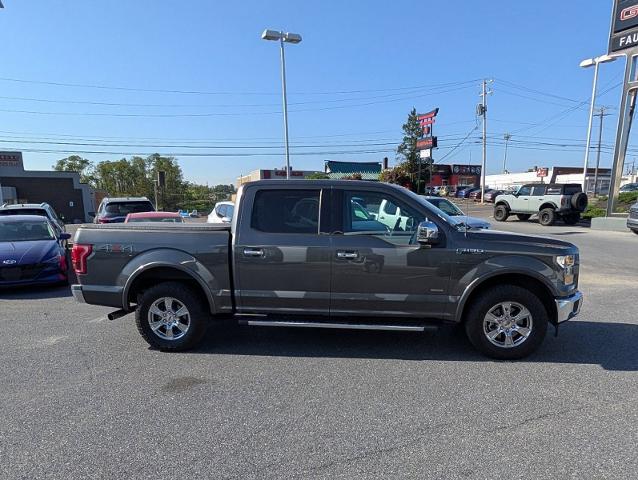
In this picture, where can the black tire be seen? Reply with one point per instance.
(571, 218)
(501, 212)
(198, 317)
(579, 201)
(479, 308)
(635, 231)
(547, 217)
(523, 217)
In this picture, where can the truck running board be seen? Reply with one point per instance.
(346, 326)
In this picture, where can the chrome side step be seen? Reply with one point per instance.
(345, 326)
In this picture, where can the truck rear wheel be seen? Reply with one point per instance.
(506, 323)
(546, 217)
(501, 213)
(171, 317)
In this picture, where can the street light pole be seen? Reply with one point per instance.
(592, 62)
(285, 100)
(287, 38)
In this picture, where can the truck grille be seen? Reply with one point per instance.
(633, 214)
(24, 272)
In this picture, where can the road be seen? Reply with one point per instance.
(83, 397)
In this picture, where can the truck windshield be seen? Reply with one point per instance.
(115, 209)
(25, 231)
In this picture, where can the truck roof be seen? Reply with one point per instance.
(299, 183)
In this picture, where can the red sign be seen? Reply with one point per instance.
(542, 172)
(426, 143)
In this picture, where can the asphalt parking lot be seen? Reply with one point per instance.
(83, 397)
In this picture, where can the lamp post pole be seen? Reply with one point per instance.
(285, 100)
(592, 62)
(283, 37)
(589, 126)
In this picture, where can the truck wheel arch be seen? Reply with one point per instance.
(136, 283)
(521, 279)
(547, 205)
(504, 203)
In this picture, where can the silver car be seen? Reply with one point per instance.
(453, 211)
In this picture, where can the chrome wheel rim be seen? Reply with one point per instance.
(508, 324)
(169, 318)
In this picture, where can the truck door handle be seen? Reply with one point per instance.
(349, 254)
(253, 252)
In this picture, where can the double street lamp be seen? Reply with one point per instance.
(283, 37)
(592, 62)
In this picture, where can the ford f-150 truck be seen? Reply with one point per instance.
(330, 254)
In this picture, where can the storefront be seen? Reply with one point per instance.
(71, 199)
(454, 175)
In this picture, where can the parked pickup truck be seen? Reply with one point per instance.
(324, 254)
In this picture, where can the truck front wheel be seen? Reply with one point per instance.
(171, 317)
(506, 323)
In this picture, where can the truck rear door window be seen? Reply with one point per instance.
(286, 211)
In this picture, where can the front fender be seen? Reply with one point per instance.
(502, 265)
(168, 258)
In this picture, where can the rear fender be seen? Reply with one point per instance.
(168, 258)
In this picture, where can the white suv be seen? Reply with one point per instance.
(549, 201)
(222, 213)
(41, 209)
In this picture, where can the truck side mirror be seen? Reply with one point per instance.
(427, 233)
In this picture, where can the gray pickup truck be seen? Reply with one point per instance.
(330, 254)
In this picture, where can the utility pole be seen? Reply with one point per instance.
(602, 115)
(507, 138)
(482, 111)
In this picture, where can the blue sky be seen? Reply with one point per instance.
(361, 67)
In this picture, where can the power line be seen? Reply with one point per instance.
(201, 92)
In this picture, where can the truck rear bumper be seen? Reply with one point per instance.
(76, 291)
(98, 295)
(568, 307)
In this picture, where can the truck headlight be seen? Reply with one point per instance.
(566, 260)
(567, 263)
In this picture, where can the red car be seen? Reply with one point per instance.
(166, 217)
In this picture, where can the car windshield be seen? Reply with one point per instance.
(435, 210)
(446, 206)
(26, 231)
(157, 219)
(116, 209)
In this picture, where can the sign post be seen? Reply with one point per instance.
(623, 40)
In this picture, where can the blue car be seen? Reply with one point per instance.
(31, 252)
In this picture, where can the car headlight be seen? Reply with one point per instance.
(566, 260)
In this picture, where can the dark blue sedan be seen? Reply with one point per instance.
(31, 252)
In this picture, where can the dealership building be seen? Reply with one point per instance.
(72, 200)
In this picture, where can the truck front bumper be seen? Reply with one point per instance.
(568, 307)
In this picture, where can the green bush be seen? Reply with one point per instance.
(593, 212)
(628, 197)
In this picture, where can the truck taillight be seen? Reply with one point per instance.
(79, 254)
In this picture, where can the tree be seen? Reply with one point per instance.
(407, 150)
(75, 163)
